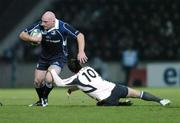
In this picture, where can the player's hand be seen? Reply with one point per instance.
(35, 39)
(68, 92)
(82, 57)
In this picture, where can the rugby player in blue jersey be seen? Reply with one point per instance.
(53, 40)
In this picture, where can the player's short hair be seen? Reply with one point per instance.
(74, 65)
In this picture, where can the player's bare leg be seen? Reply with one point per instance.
(48, 81)
(39, 86)
(147, 96)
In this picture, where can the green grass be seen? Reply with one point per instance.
(79, 108)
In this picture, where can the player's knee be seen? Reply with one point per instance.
(133, 93)
(38, 84)
(49, 84)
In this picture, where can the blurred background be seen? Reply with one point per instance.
(133, 42)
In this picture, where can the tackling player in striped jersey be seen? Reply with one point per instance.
(106, 93)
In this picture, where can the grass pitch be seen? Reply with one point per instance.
(80, 108)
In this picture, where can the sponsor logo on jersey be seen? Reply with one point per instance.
(53, 41)
(53, 32)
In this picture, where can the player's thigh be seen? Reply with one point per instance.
(133, 93)
(49, 76)
(56, 68)
(39, 75)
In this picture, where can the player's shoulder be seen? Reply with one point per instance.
(61, 23)
(35, 25)
(86, 68)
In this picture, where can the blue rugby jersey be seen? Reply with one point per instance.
(54, 40)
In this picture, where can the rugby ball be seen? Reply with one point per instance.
(36, 32)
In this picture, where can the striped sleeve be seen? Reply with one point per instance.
(70, 30)
(33, 26)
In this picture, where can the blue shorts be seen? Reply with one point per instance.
(43, 64)
(118, 92)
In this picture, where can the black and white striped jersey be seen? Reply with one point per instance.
(89, 81)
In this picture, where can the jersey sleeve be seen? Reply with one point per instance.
(70, 30)
(33, 26)
(63, 82)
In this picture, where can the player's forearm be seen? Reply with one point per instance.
(57, 80)
(62, 82)
(25, 36)
(81, 42)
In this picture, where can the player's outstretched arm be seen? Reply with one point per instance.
(62, 82)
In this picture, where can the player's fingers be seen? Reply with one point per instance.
(82, 57)
(83, 60)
